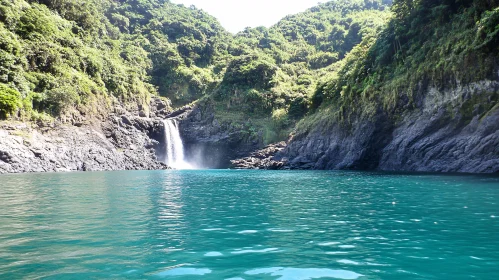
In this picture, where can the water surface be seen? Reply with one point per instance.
(230, 224)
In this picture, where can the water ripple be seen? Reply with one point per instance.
(304, 273)
(223, 224)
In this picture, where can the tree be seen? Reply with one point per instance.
(10, 101)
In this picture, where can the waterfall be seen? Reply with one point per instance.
(174, 148)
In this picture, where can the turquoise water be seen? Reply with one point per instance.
(237, 225)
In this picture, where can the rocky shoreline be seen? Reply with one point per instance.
(263, 159)
(437, 136)
(123, 141)
(118, 144)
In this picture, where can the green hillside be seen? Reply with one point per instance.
(439, 44)
(72, 59)
(274, 71)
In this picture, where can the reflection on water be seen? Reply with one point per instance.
(304, 273)
(248, 225)
(184, 271)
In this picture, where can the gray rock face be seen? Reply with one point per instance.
(121, 143)
(450, 131)
(210, 144)
(262, 159)
(357, 147)
(425, 143)
(125, 141)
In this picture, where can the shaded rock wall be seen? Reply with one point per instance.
(211, 144)
(453, 130)
(356, 147)
(459, 133)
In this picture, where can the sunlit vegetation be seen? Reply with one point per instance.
(62, 58)
(438, 44)
(275, 70)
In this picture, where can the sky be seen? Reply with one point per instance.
(235, 15)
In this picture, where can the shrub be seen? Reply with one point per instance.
(298, 107)
(251, 71)
(280, 119)
(10, 101)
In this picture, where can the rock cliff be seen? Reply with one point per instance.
(454, 130)
(212, 144)
(123, 141)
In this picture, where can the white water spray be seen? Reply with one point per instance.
(174, 148)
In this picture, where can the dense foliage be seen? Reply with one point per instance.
(438, 44)
(68, 57)
(78, 57)
(61, 58)
(10, 101)
(274, 71)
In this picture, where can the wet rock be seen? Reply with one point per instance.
(212, 144)
(263, 159)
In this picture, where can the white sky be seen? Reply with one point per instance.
(235, 15)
